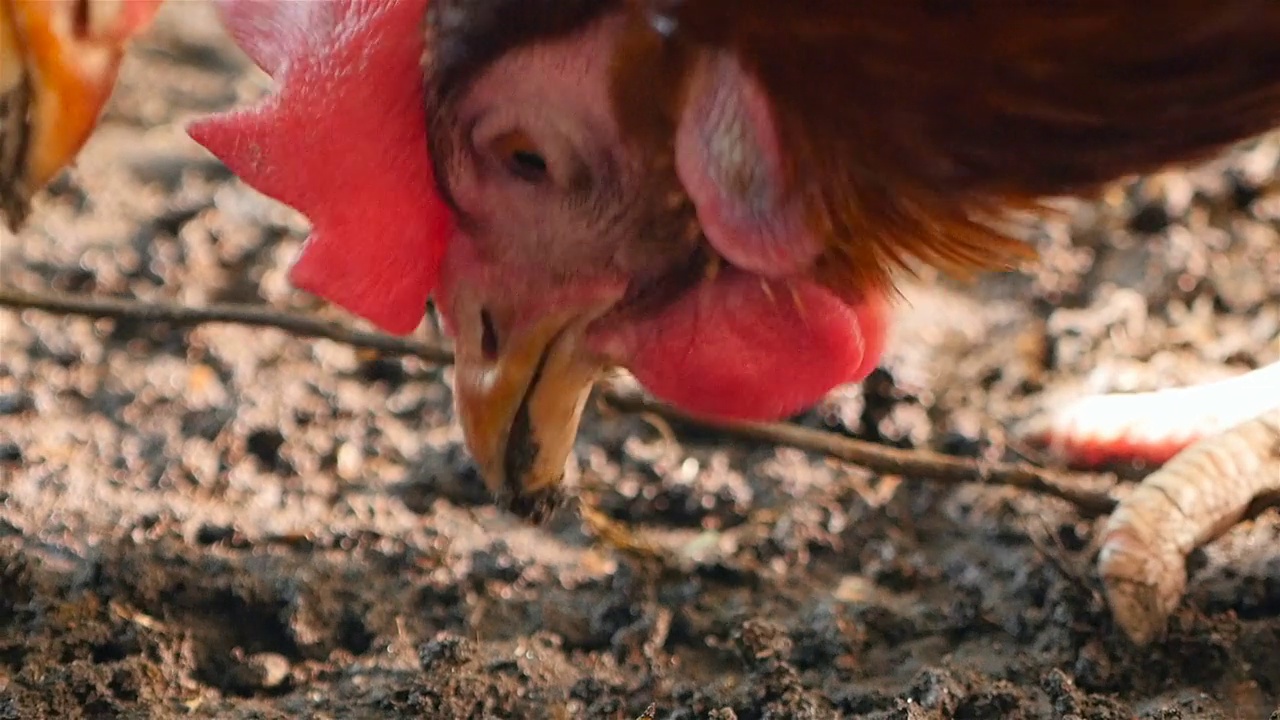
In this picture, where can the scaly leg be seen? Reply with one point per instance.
(1221, 441)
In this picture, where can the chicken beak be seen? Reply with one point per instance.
(520, 407)
(58, 63)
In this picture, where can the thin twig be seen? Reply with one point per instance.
(238, 313)
(916, 464)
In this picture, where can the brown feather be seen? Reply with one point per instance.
(912, 127)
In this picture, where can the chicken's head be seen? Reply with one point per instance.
(480, 155)
(58, 65)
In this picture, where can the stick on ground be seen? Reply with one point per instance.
(913, 464)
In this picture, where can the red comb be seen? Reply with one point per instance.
(343, 141)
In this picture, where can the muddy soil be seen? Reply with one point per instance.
(237, 523)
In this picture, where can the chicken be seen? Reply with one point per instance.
(58, 64)
(716, 195)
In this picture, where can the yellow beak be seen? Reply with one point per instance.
(58, 66)
(520, 401)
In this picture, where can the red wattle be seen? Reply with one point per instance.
(732, 349)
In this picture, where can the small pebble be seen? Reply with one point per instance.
(350, 461)
(261, 671)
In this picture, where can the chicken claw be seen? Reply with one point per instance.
(1219, 447)
(1196, 496)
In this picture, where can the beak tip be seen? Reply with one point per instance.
(534, 506)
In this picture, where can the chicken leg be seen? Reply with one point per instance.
(1219, 443)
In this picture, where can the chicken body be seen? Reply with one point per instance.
(58, 64)
(714, 194)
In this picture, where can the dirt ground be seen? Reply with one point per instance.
(233, 522)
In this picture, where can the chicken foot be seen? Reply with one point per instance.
(1196, 497)
(1223, 440)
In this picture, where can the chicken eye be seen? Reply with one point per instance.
(520, 156)
(528, 164)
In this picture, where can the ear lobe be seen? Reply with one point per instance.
(729, 157)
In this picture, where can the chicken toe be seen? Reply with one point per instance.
(1195, 497)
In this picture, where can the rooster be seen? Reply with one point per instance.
(58, 65)
(717, 195)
